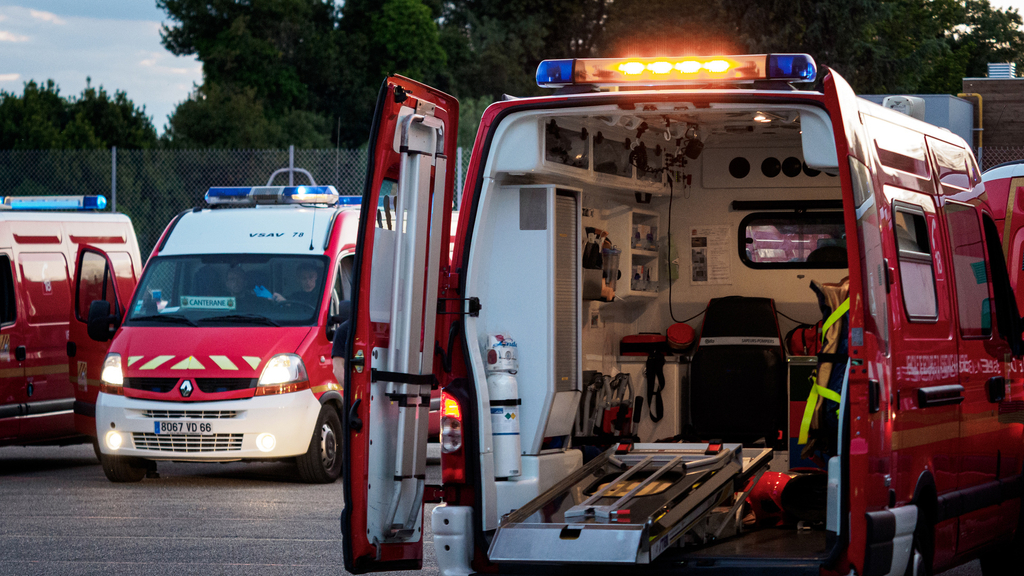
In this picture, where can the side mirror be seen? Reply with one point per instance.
(100, 321)
(332, 325)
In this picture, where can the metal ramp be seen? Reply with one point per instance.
(628, 508)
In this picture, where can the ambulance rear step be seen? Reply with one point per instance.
(628, 508)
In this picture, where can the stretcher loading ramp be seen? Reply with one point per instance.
(628, 508)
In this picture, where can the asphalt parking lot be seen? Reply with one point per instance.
(60, 515)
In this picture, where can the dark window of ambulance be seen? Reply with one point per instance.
(969, 270)
(917, 271)
(8, 302)
(793, 240)
(95, 283)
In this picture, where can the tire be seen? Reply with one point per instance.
(321, 464)
(922, 553)
(123, 468)
(96, 449)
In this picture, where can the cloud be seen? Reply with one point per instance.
(9, 77)
(46, 17)
(148, 62)
(11, 37)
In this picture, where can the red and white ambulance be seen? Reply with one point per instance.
(41, 240)
(223, 350)
(725, 194)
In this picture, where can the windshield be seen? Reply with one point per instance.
(230, 290)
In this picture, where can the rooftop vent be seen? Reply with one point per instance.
(1002, 70)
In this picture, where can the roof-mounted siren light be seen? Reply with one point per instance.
(676, 70)
(53, 203)
(910, 105)
(253, 195)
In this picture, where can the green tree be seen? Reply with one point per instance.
(40, 118)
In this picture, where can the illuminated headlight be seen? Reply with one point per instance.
(112, 374)
(283, 369)
(266, 442)
(114, 440)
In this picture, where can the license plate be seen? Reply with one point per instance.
(200, 428)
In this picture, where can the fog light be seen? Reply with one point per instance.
(114, 440)
(266, 442)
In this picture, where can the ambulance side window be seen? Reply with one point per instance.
(8, 302)
(969, 270)
(95, 283)
(917, 272)
(387, 204)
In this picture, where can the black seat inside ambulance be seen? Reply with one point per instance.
(738, 387)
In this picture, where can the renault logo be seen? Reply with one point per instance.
(186, 388)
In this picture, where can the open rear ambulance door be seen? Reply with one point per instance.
(861, 427)
(403, 241)
(96, 278)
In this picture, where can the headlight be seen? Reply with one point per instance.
(283, 373)
(112, 377)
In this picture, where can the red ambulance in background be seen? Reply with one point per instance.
(748, 189)
(41, 253)
(223, 350)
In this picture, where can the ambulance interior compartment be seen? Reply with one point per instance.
(550, 175)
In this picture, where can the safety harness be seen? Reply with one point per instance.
(817, 389)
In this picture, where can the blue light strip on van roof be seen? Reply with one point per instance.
(252, 195)
(53, 202)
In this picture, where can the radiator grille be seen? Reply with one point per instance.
(210, 385)
(187, 443)
(151, 384)
(203, 414)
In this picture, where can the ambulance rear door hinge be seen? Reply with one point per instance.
(469, 306)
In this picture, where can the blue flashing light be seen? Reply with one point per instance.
(53, 202)
(555, 73)
(252, 195)
(794, 67)
(350, 201)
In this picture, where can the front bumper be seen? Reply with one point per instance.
(220, 431)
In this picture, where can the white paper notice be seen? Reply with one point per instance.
(709, 255)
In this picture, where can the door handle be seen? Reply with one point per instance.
(996, 389)
(354, 422)
(19, 353)
(940, 395)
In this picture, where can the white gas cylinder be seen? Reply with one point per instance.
(501, 354)
(504, 392)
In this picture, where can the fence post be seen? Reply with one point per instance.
(981, 162)
(458, 177)
(291, 165)
(113, 178)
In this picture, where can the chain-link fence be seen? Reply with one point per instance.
(151, 186)
(989, 156)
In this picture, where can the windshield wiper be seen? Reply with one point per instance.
(241, 318)
(164, 318)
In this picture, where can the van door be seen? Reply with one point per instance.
(98, 276)
(12, 369)
(48, 395)
(404, 223)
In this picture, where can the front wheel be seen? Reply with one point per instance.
(321, 464)
(123, 468)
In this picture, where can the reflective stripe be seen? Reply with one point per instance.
(834, 317)
(224, 362)
(189, 363)
(133, 359)
(155, 362)
(253, 361)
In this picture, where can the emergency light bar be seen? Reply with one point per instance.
(681, 70)
(53, 202)
(252, 195)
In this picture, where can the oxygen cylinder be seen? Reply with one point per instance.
(503, 389)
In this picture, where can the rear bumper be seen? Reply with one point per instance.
(215, 431)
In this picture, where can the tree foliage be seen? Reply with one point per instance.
(40, 118)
